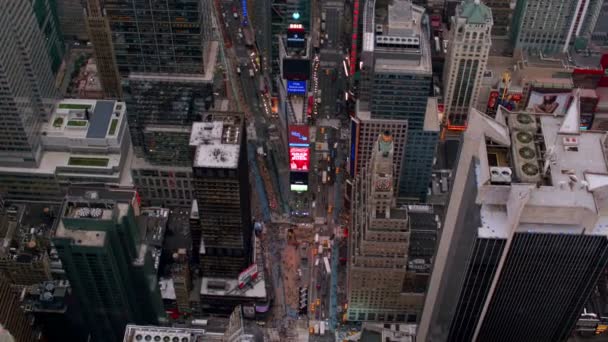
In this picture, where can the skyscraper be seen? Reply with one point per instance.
(524, 238)
(468, 51)
(380, 287)
(221, 190)
(98, 28)
(159, 36)
(109, 268)
(396, 82)
(28, 84)
(539, 30)
(502, 15)
(47, 19)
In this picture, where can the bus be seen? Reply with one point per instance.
(326, 262)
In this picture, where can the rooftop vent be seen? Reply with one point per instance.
(500, 175)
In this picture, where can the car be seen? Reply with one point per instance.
(238, 70)
(235, 15)
(240, 35)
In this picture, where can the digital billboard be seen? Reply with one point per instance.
(510, 101)
(548, 102)
(298, 136)
(298, 181)
(296, 69)
(299, 158)
(296, 39)
(296, 87)
(491, 109)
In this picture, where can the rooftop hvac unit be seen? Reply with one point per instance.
(83, 212)
(96, 212)
(522, 122)
(570, 141)
(524, 153)
(500, 175)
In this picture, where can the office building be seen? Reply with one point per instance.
(100, 34)
(110, 270)
(468, 51)
(543, 31)
(85, 141)
(161, 111)
(380, 285)
(164, 37)
(72, 20)
(221, 188)
(396, 81)
(14, 324)
(53, 306)
(28, 92)
(282, 14)
(502, 16)
(524, 238)
(599, 36)
(48, 23)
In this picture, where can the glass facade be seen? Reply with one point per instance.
(157, 35)
(404, 97)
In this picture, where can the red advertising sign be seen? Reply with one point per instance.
(298, 136)
(492, 100)
(248, 275)
(299, 158)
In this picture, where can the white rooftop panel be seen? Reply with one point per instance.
(222, 156)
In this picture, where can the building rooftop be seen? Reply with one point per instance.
(551, 175)
(48, 296)
(86, 119)
(396, 35)
(25, 231)
(137, 333)
(217, 143)
(475, 12)
(230, 287)
(79, 210)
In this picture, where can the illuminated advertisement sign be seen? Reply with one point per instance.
(296, 69)
(296, 87)
(296, 39)
(548, 102)
(298, 181)
(492, 102)
(299, 158)
(298, 136)
(274, 105)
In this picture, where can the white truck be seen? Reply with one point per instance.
(322, 328)
(251, 74)
(316, 328)
(320, 250)
(324, 177)
(326, 262)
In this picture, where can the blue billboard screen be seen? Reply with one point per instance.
(296, 87)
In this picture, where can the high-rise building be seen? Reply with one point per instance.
(98, 29)
(396, 82)
(28, 84)
(221, 188)
(380, 287)
(48, 23)
(539, 30)
(85, 141)
(72, 20)
(162, 108)
(282, 14)
(468, 51)
(159, 36)
(12, 318)
(110, 270)
(524, 238)
(502, 15)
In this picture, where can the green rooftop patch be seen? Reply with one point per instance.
(74, 106)
(83, 161)
(113, 126)
(58, 122)
(77, 123)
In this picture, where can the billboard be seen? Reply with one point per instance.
(298, 181)
(299, 158)
(549, 102)
(249, 274)
(492, 102)
(298, 136)
(296, 69)
(296, 39)
(296, 87)
(274, 105)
